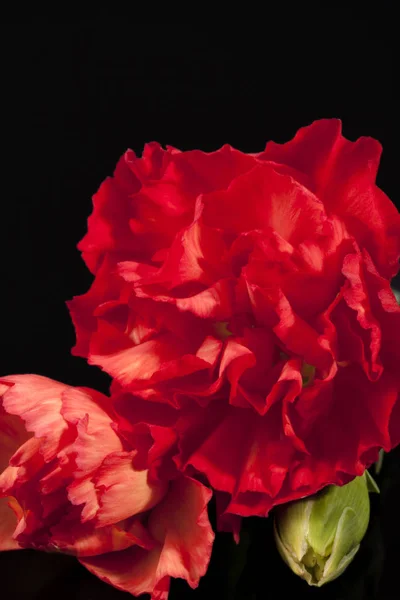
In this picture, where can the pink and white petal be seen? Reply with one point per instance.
(37, 400)
(8, 523)
(83, 539)
(90, 411)
(12, 433)
(180, 523)
(124, 491)
(133, 570)
(24, 465)
(83, 492)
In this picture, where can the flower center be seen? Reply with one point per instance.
(221, 329)
(307, 374)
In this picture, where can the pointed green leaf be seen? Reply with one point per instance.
(372, 486)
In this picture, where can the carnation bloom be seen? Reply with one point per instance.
(71, 483)
(243, 303)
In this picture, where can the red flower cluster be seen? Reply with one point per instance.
(242, 306)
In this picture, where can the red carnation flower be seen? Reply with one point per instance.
(70, 483)
(242, 302)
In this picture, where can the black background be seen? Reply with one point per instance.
(76, 95)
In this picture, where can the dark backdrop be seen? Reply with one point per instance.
(76, 96)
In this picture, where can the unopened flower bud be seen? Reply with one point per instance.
(319, 536)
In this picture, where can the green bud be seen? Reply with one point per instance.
(319, 536)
